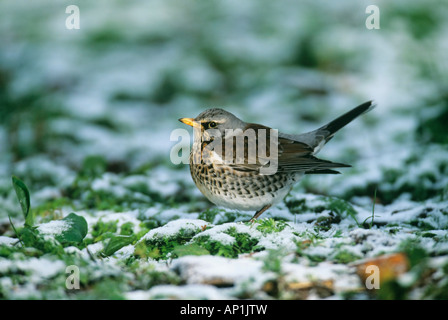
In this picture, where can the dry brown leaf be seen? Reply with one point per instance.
(390, 266)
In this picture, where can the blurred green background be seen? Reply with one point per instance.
(75, 104)
(86, 116)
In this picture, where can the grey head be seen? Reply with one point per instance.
(220, 119)
(216, 119)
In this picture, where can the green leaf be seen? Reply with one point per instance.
(24, 199)
(115, 244)
(77, 229)
(190, 250)
(31, 238)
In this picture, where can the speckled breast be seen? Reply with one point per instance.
(239, 190)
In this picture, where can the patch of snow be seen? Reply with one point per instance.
(215, 269)
(53, 228)
(165, 215)
(189, 291)
(125, 252)
(39, 268)
(7, 241)
(173, 227)
(284, 239)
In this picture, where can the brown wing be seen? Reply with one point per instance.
(246, 144)
(298, 156)
(292, 156)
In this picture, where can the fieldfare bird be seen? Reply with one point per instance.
(259, 165)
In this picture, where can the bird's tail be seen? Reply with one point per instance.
(318, 138)
(331, 128)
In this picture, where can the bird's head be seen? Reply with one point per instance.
(214, 122)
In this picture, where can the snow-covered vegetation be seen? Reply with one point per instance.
(85, 122)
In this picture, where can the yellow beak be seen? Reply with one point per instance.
(189, 121)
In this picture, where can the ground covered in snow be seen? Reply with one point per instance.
(85, 123)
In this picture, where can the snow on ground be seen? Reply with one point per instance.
(86, 117)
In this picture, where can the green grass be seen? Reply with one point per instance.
(80, 165)
(242, 243)
(269, 225)
(162, 247)
(345, 257)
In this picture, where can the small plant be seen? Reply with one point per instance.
(273, 262)
(269, 225)
(324, 222)
(373, 213)
(162, 246)
(190, 250)
(23, 195)
(345, 256)
(373, 209)
(308, 239)
(68, 231)
(242, 242)
(116, 243)
(342, 208)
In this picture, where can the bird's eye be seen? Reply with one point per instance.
(212, 124)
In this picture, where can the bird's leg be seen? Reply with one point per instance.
(259, 212)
